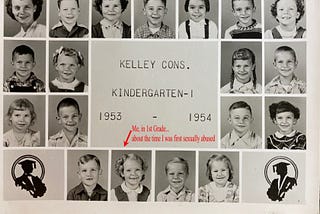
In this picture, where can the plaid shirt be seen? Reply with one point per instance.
(143, 32)
(32, 84)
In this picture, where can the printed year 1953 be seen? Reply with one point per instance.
(200, 117)
(110, 115)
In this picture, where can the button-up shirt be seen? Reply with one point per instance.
(169, 195)
(296, 86)
(61, 140)
(80, 193)
(248, 141)
(77, 31)
(35, 30)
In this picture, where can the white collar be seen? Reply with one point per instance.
(279, 135)
(66, 85)
(127, 190)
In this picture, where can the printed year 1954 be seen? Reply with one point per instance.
(110, 115)
(200, 117)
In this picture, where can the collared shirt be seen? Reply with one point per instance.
(293, 140)
(241, 88)
(68, 85)
(111, 31)
(61, 140)
(60, 31)
(32, 84)
(132, 194)
(79, 193)
(197, 30)
(143, 32)
(248, 141)
(169, 195)
(284, 34)
(254, 31)
(30, 139)
(296, 86)
(211, 193)
(35, 30)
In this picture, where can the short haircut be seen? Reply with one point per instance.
(36, 14)
(283, 106)
(98, 3)
(240, 104)
(178, 160)
(22, 50)
(68, 52)
(219, 157)
(285, 49)
(244, 54)
(22, 104)
(66, 102)
(252, 2)
(206, 3)
(300, 9)
(119, 165)
(59, 3)
(163, 1)
(88, 157)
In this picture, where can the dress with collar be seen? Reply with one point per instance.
(296, 86)
(241, 88)
(248, 141)
(74, 86)
(211, 193)
(60, 31)
(97, 31)
(169, 195)
(123, 193)
(30, 139)
(278, 33)
(294, 140)
(35, 30)
(79, 193)
(61, 140)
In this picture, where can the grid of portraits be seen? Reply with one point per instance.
(262, 102)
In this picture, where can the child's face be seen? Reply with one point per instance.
(67, 67)
(89, 173)
(69, 118)
(155, 10)
(240, 119)
(197, 10)
(220, 173)
(285, 122)
(69, 12)
(243, 10)
(111, 10)
(20, 120)
(285, 64)
(132, 173)
(177, 176)
(23, 65)
(23, 11)
(243, 70)
(287, 12)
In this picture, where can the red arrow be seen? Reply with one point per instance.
(125, 143)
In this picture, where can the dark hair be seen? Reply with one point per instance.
(163, 1)
(219, 157)
(283, 106)
(88, 157)
(21, 50)
(21, 105)
(68, 52)
(178, 160)
(286, 49)
(66, 102)
(59, 3)
(131, 156)
(252, 2)
(36, 14)
(240, 104)
(244, 54)
(300, 9)
(98, 3)
(206, 3)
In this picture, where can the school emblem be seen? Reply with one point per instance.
(28, 172)
(281, 173)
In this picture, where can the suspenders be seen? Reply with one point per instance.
(206, 29)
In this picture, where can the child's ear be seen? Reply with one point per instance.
(295, 121)
(165, 11)
(100, 171)
(79, 176)
(59, 119)
(298, 15)
(229, 120)
(80, 116)
(144, 11)
(35, 9)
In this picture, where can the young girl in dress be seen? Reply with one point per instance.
(220, 189)
(21, 117)
(131, 168)
(26, 13)
(67, 62)
(285, 116)
(111, 26)
(197, 27)
(243, 74)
